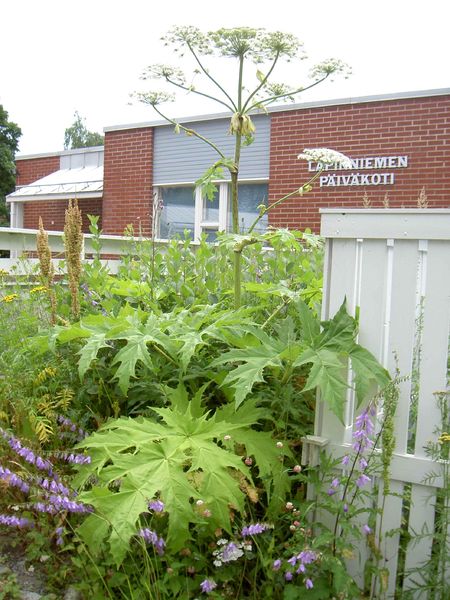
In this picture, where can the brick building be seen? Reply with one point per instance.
(398, 143)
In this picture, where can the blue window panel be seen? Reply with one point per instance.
(178, 212)
(251, 195)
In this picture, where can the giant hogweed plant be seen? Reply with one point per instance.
(243, 45)
(180, 453)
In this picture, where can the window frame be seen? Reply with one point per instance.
(200, 224)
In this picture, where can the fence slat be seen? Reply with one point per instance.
(421, 521)
(434, 350)
(391, 521)
(402, 329)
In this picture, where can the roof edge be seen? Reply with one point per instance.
(290, 107)
(60, 153)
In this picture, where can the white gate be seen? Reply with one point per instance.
(395, 266)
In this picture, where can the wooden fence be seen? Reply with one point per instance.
(393, 266)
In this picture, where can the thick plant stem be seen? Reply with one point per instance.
(234, 202)
(237, 259)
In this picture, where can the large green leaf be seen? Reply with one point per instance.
(254, 360)
(367, 371)
(328, 355)
(90, 351)
(327, 374)
(135, 350)
(180, 460)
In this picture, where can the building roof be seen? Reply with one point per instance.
(80, 176)
(289, 107)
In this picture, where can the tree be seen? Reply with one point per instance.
(9, 142)
(250, 94)
(78, 136)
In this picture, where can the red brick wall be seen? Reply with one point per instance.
(416, 127)
(52, 213)
(30, 169)
(128, 180)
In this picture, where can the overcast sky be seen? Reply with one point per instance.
(59, 56)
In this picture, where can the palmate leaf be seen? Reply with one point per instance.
(137, 338)
(328, 354)
(326, 374)
(179, 460)
(367, 371)
(120, 509)
(137, 328)
(128, 356)
(244, 377)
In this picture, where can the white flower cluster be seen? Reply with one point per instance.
(229, 551)
(325, 156)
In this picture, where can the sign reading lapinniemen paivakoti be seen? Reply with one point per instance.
(359, 164)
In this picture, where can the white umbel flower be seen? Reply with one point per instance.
(325, 156)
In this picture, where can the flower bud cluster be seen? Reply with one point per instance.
(152, 538)
(73, 427)
(255, 529)
(14, 480)
(297, 565)
(26, 453)
(12, 521)
(52, 495)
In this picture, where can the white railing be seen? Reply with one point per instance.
(20, 242)
(393, 266)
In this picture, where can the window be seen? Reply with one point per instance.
(184, 208)
(250, 197)
(177, 212)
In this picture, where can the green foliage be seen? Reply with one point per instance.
(183, 460)
(148, 338)
(78, 136)
(9, 143)
(327, 352)
(9, 586)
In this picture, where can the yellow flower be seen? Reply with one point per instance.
(444, 437)
(3, 273)
(10, 297)
(39, 288)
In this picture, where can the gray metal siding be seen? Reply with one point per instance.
(180, 158)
